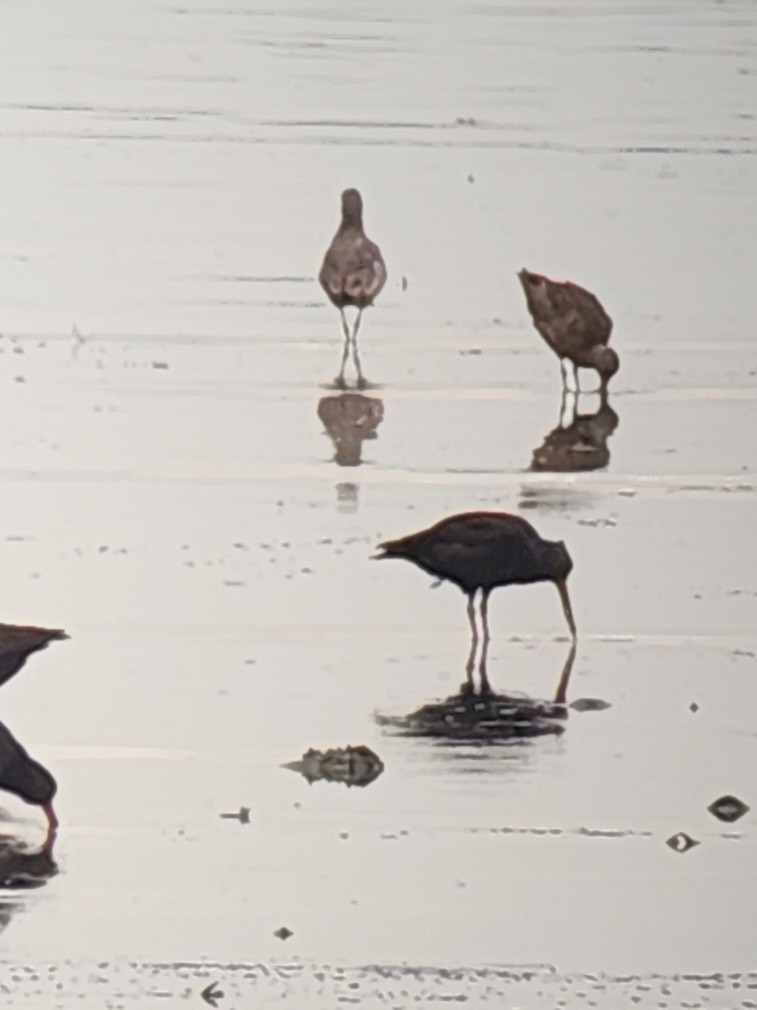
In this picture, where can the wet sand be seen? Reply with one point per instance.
(170, 497)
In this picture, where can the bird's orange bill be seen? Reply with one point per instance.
(562, 588)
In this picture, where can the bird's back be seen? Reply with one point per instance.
(353, 270)
(569, 318)
(475, 549)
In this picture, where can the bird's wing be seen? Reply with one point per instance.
(353, 261)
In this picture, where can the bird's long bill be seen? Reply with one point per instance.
(52, 820)
(562, 588)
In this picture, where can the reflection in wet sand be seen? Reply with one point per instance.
(487, 716)
(350, 419)
(579, 445)
(22, 869)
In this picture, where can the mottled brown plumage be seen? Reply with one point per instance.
(353, 273)
(573, 323)
(483, 550)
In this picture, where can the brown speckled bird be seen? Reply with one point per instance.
(353, 273)
(574, 324)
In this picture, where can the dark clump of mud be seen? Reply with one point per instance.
(354, 766)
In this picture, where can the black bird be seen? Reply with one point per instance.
(353, 273)
(18, 642)
(21, 775)
(483, 550)
(574, 324)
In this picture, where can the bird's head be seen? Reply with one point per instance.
(352, 207)
(606, 362)
(561, 563)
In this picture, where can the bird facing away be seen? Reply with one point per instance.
(480, 551)
(25, 777)
(353, 273)
(17, 643)
(574, 324)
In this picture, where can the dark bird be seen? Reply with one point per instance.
(574, 324)
(28, 779)
(483, 550)
(17, 643)
(353, 273)
(350, 419)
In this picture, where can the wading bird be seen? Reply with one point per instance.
(574, 324)
(353, 273)
(480, 551)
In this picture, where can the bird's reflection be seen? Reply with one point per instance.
(350, 419)
(483, 715)
(579, 442)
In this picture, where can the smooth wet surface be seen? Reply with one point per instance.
(170, 497)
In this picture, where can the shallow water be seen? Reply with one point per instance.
(170, 497)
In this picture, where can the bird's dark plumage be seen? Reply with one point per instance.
(480, 551)
(573, 323)
(17, 643)
(21, 775)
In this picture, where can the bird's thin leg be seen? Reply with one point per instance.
(563, 401)
(361, 383)
(564, 373)
(485, 686)
(469, 666)
(345, 350)
(575, 378)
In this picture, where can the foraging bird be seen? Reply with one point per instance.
(353, 273)
(574, 324)
(22, 775)
(483, 550)
(18, 642)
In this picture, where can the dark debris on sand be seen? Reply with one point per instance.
(354, 766)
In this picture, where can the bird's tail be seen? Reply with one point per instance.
(390, 549)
